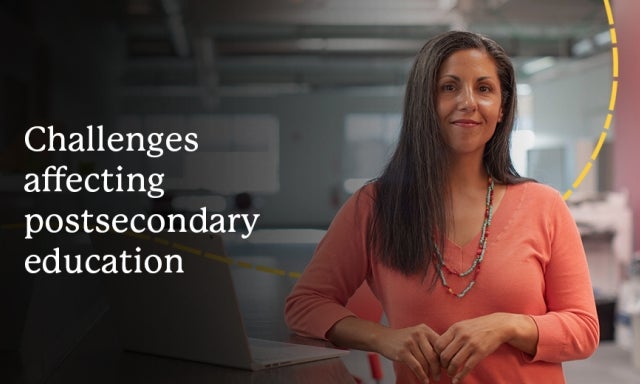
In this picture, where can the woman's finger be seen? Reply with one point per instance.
(468, 365)
(431, 357)
(415, 365)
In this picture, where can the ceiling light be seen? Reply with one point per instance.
(603, 38)
(524, 89)
(582, 48)
(538, 65)
(447, 5)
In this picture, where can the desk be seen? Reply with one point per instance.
(93, 352)
(99, 359)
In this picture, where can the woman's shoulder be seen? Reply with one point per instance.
(535, 192)
(533, 186)
(367, 193)
(369, 189)
(361, 200)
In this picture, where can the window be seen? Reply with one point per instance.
(236, 153)
(370, 140)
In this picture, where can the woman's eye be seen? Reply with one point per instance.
(484, 88)
(448, 87)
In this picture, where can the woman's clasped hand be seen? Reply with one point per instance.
(454, 352)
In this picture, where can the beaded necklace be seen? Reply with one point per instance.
(482, 247)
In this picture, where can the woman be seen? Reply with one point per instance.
(481, 273)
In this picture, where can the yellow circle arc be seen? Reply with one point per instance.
(612, 104)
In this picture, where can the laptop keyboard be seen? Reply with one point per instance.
(265, 350)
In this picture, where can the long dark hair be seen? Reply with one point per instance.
(412, 192)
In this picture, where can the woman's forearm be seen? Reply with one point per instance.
(524, 333)
(355, 333)
(412, 346)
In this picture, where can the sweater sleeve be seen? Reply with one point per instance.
(339, 266)
(570, 329)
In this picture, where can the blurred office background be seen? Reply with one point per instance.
(297, 103)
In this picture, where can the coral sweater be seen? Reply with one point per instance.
(534, 264)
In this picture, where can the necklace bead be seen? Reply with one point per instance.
(480, 252)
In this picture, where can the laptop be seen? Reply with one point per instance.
(194, 315)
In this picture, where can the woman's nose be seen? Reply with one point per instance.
(466, 100)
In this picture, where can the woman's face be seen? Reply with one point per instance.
(468, 101)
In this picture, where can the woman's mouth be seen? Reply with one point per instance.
(465, 123)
